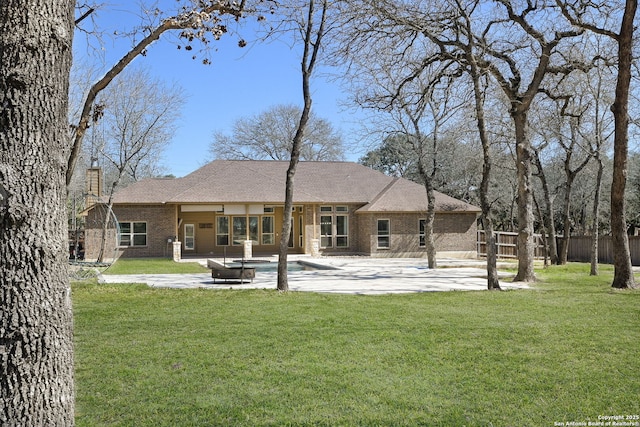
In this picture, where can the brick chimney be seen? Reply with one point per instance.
(94, 183)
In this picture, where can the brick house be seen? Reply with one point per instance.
(229, 207)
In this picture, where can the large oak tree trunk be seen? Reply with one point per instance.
(525, 199)
(623, 272)
(36, 327)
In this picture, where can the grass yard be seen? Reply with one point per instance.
(566, 351)
(154, 266)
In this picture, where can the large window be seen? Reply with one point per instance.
(254, 227)
(334, 228)
(189, 237)
(384, 234)
(342, 231)
(133, 234)
(268, 236)
(222, 231)
(239, 230)
(326, 231)
(300, 231)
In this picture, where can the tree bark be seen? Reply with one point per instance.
(427, 179)
(623, 272)
(429, 240)
(595, 229)
(487, 220)
(525, 244)
(36, 325)
(548, 219)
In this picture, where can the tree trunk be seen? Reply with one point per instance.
(623, 272)
(545, 242)
(595, 229)
(429, 240)
(283, 283)
(485, 204)
(525, 246)
(312, 44)
(36, 326)
(548, 219)
(566, 222)
(427, 179)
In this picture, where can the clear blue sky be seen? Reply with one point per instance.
(240, 82)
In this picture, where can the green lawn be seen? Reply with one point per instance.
(565, 351)
(154, 266)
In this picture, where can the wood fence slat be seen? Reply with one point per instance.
(579, 247)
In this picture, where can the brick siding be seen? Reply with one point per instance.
(454, 232)
(161, 221)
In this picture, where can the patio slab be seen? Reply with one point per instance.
(358, 275)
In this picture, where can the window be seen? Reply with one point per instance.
(253, 229)
(300, 231)
(290, 244)
(239, 230)
(326, 231)
(222, 235)
(268, 237)
(189, 237)
(133, 234)
(342, 231)
(334, 228)
(384, 234)
(421, 227)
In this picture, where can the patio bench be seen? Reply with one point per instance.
(220, 271)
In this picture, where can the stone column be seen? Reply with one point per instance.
(315, 248)
(248, 249)
(177, 251)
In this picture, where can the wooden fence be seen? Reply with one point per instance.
(506, 245)
(579, 247)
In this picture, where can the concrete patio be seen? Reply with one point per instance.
(353, 275)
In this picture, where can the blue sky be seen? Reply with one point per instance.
(240, 82)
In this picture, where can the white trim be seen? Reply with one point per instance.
(235, 209)
(201, 208)
(256, 209)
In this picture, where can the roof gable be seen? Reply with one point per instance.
(402, 195)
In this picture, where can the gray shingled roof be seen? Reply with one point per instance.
(263, 181)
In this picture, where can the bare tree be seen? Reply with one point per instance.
(36, 327)
(420, 112)
(198, 20)
(548, 219)
(518, 45)
(563, 115)
(478, 76)
(623, 271)
(269, 135)
(312, 30)
(137, 120)
(578, 14)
